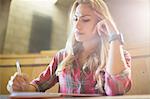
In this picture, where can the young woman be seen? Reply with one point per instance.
(93, 61)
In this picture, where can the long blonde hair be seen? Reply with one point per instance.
(96, 61)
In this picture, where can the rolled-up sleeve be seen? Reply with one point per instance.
(120, 83)
(47, 78)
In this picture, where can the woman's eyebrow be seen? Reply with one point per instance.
(83, 15)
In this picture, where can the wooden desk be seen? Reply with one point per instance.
(31, 64)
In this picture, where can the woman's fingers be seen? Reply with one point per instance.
(18, 83)
(101, 27)
(106, 26)
(99, 16)
(25, 78)
(111, 27)
(16, 86)
(20, 79)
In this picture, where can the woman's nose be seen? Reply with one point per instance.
(78, 25)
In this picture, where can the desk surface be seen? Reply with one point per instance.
(101, 97)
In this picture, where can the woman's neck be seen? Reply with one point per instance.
(89, 48)
(90, 45)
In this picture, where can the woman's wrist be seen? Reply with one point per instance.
(116, 37)
(32, 88)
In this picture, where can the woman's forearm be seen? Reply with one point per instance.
(116, 60)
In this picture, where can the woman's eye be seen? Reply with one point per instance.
(85, 20)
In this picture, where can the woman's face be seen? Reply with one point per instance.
(84, 22)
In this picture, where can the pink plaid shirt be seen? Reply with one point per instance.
(81, 83)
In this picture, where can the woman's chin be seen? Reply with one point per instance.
(79, 39)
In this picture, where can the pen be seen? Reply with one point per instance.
(18, 67)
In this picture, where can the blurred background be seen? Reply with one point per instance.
(32, 26)
(28, 26)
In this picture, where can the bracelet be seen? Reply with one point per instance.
(118, 37)
(34, 86)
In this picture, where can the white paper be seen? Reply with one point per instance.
(34, 94)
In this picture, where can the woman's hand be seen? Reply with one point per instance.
(106, 27)
(18, 82)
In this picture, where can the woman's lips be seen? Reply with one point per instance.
(78, 33)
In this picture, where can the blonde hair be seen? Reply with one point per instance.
(99, 58)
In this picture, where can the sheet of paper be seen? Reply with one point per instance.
(48, 95)
(80, 95)
(33, 95)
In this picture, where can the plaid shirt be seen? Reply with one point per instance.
(79, 82)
